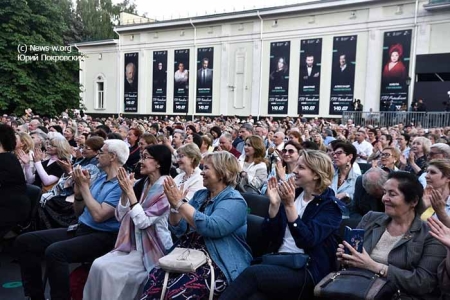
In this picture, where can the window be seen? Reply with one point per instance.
(100, 93)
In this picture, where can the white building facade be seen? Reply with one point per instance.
(244, 61)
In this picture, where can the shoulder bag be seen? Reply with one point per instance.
(357, 284)
(185, 260)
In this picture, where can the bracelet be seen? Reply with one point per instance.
(79, 199)
(133, 205)
(176, 208)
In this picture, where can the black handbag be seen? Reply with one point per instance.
(355, 284)
(289, 260)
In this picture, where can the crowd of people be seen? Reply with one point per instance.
(120, 193)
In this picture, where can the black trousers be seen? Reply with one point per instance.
(260, 282)
(59, 248)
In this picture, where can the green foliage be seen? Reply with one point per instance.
(48, 87)
(100, 16)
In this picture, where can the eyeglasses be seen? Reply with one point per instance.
(386, 155)
(145, 157)
(290, 151)
(180, 156)
(337, 153)
(100, 152)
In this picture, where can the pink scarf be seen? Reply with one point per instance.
(155, 203)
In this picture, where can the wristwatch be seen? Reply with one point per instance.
(179, 204)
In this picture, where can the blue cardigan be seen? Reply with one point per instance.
(316, 232)
(223, 226)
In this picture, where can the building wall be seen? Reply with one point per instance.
(244, 90)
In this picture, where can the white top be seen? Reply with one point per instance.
(386, 243)
(365, 148)
(191, 184)
(289, 245)
(256, 173)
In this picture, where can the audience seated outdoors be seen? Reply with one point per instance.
(14, 203)
(56, 209)
(143, 237)
(157, 206)
(303, 217)
(252, 162)
(215, 220)
(93, 237)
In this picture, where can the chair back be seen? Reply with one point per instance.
(255, 238)
(257, 204)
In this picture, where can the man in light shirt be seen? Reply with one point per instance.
(363, 147)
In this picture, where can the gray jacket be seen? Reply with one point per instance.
(413, 261)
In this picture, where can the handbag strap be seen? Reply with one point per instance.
(211, 286)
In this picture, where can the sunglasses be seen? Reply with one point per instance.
(385, 154)
(290, 151)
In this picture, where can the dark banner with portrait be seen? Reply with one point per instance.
(279, 78)
(205, 66)
(395, 68)
(131, 82)
(343, 74)
(159, 96)
(181, 81)
(309, 82)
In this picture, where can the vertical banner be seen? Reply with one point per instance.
(205, 66)
(279, 78)
(343, 74)
(159, 103)
(181, 81)
(395, 69)
(131, 82)
(309, 85)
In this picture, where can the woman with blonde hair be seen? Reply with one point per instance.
(417, 160)
(254, 167)
(24, 146)
(189, 180)
(48, 171)
(317, 138)
(303, 218)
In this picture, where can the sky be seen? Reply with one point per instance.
(174, 9)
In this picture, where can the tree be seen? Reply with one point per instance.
(100, 16)
(48, 87)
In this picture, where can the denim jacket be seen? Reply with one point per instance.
(316, 232)
(223, 226)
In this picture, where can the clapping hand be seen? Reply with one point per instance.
(38, 154)
(81, 177)
(411, 157)
(272, 191)
(173, 193)
(439, 231)
(286, 189)
(437, 201)
(23, 157)
(126, 182)
(65, 165)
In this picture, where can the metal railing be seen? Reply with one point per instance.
(390, 118)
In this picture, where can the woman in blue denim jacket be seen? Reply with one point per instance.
(304, 217)
(214, 220)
